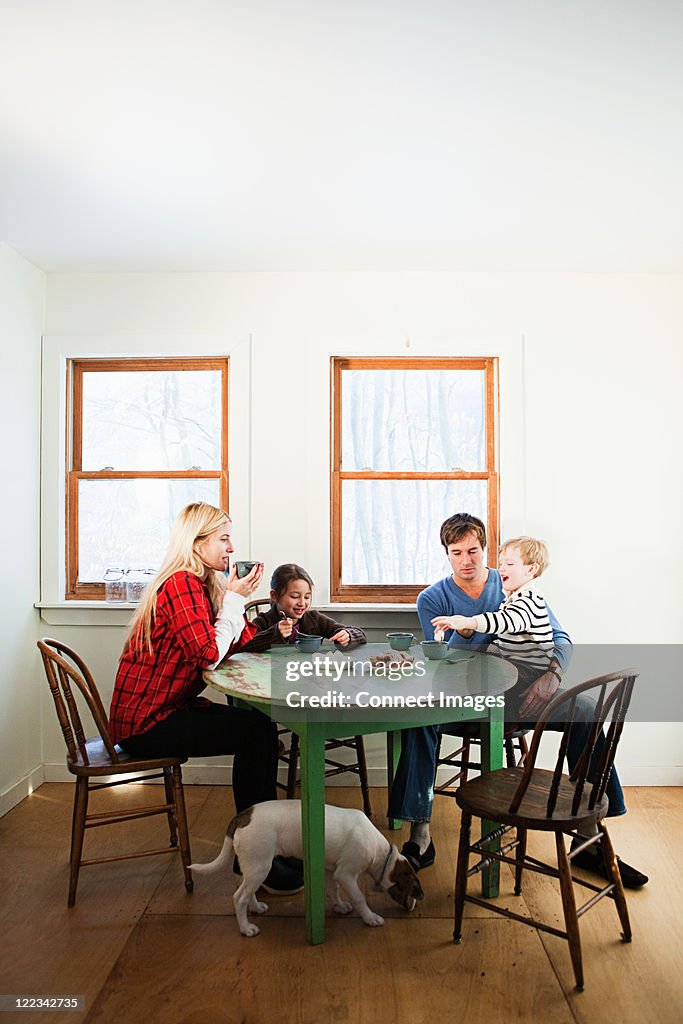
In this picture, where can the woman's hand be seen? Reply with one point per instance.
(248, 584)
(342, 636)
(285, 628)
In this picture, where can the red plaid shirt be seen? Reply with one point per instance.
(150, 687)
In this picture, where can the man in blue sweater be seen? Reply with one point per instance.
(473, 589)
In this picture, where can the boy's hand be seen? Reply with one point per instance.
(285, 628)
(458, 622)
(341, 637)
(443, 622)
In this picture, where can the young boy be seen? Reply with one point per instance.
(524, 634)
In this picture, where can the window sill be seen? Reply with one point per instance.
(85, 613)
(119, 613)
(338, 606)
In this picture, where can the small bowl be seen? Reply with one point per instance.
(244, 568)
(435, 650)
(400, 641)
(308, 644)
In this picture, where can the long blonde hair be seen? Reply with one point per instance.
(193, 525)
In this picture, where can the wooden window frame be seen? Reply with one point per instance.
(393, 593)
(76, 591)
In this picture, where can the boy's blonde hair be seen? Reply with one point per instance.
(531, 550)
(193, 525)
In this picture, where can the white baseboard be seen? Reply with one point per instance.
(21, 789)
(195, 773)
(651, 775)
(644, 775)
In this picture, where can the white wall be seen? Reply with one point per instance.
(22, 300)
(592, 419)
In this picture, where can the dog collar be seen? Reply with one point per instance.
(384, 868)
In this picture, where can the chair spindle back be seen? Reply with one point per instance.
(256, 607)
(63, 676)
(612, 703)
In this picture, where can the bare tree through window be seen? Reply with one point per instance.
(414, 440)
(147, 437)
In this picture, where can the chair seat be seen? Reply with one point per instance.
(100, 763)
(490, 796)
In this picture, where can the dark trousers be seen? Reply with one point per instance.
(215, 729)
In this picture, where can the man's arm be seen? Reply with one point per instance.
(562, 644)
(540, 692)
(427, 609)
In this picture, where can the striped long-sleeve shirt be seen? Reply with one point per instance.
(523, 628)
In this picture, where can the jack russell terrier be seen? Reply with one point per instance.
(352, 846)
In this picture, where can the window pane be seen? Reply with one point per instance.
(390, 531)
(157, 419)
(413, 420)
(128, 522)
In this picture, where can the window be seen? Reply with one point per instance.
(146, 436)
(413, 442)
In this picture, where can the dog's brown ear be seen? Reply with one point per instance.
(408, 871)
(406, 888)
(416, 890)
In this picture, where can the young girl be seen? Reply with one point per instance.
(290, 613)
(189, 620)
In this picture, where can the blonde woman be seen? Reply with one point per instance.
(189, 620)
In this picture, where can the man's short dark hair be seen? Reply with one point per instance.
(458, 526)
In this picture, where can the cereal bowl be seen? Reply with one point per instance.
(308, 644)
(435, 650)
(400, 641)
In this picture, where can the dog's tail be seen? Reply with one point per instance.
(221, 862)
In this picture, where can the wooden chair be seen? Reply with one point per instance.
(255, 607)
(332, 766)
(532, 798)
(460, 759)
(98, 758)
(290, 755)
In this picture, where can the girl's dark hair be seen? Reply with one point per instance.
(285, 574)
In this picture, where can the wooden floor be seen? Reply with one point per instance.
(140, 949)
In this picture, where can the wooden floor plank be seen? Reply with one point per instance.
(209, 973)
(50, 948)
(138, 945)
(640, 980)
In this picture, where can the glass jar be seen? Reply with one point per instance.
(136, 581)
(114, 585)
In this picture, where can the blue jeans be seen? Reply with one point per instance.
(412, 793)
